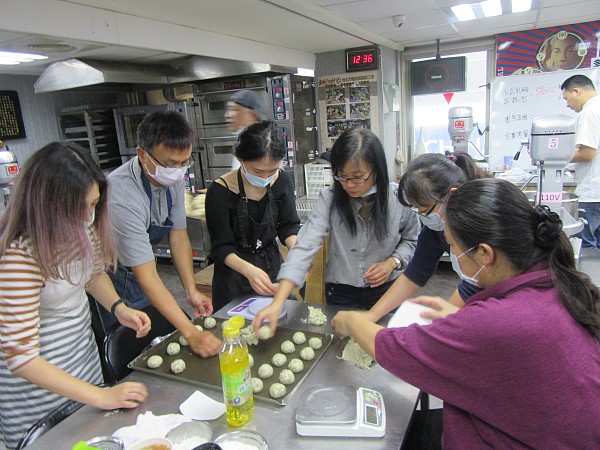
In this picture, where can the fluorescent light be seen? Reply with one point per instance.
(521, 6)
(463, 12)
(491, 8)
(305, 72)
(12, 58)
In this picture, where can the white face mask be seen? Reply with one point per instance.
(371, 191)
(456, 266)
(433, 221)
(88, 223)
(257, 181)
(167, 176)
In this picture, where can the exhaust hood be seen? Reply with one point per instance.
(77, 73)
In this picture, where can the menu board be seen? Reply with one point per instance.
(517, 99)
(11, 119)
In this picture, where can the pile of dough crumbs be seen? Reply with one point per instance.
(315, 316)
(356, 355)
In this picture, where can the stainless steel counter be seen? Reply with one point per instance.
(276, 423)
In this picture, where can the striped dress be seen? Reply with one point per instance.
(41, 318)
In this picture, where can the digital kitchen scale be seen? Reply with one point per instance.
(342, 411)
(251, 306)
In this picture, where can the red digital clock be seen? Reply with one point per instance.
(363, 58)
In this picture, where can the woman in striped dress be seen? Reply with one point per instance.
(54, 246)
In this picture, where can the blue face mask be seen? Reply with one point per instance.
(371, 191)
(257, 181)
(456, 266)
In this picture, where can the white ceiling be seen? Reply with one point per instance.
(154, 31)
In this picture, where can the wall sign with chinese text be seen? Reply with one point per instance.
(11, 119)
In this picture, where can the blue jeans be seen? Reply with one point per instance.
(591, 232)
(354, 297)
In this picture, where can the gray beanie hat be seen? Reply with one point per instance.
(250, 100)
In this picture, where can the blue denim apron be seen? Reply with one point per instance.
(125, 282)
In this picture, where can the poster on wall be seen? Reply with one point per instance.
(11, 119)
(565, 47)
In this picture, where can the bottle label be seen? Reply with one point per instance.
(237, 387)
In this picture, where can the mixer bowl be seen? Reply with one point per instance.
(570, 202)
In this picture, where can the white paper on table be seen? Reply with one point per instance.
(409, 313)
(201, 407)
(149, 426)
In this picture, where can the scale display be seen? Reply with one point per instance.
(342, 411)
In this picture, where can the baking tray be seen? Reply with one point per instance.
(207, 372)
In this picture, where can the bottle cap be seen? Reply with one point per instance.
(232, 327)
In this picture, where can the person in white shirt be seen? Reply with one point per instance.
(581, 97)
(243, 109)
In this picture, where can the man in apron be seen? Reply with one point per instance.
(146, 203)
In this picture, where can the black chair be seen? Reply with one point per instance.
(47, 422)
(121, 346)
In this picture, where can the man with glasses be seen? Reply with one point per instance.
(146, 202)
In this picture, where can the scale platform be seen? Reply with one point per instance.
(342, 411)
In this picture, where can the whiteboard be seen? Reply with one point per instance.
(516, 100)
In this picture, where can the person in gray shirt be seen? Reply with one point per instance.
(146, 203)
(371, 236)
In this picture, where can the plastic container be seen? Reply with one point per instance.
(249, 438)
(235, 374)
(102, 443)
(152, 444)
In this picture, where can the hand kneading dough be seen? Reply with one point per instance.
(277, 390)
(257, 385)
(183, 341)
(299, 337)
(210, 322)
(307, 354)
(173, 348)
(286, 377)
(315, 343)
(154, 361)
(279, 359)
(178, 366)
(264, 333)
(265, 371)
(296, 365)
(288, 347)
(251, 360)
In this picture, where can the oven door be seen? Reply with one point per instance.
(219, 150)
(213, 107)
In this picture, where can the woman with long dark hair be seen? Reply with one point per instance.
(425, 188)
(55, 244)
(519, 365)
(371, 237)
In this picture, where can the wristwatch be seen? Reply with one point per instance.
(398, 263)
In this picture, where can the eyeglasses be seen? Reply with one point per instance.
(356, 180)
(184, 165)
(425, 214)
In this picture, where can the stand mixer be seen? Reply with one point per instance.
(460, 127)
(9, 169)
(551, 147)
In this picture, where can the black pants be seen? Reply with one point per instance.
(425, 431)
(354, 297)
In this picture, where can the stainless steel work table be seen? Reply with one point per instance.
(276, 423)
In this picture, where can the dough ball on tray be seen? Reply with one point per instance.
(307, 354)
(287, 377)
(173, 348)
(178, 366)
(288, 347)
(279, 359)
(299, 337)
(265, 371)
(277, 390)
(257, 385)
(154, 362)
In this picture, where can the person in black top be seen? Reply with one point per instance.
(424, 188)
(246, 210)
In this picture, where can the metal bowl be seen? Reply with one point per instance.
(251, 438)
(192, 433)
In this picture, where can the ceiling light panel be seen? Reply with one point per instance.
(491, 8)
(518, 6)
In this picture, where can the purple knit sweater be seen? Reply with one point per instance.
(513, 368)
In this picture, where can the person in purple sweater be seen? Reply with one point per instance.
(519, 365)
